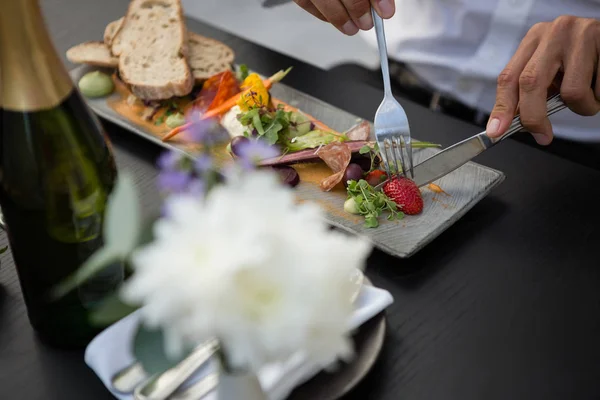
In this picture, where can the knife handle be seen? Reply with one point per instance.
(554, 104)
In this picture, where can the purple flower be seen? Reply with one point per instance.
(173, 181)
(203, 164)
(169, 160)
(196, 187)
(251, 152)
(199, 130)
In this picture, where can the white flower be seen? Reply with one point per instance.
(251, 267)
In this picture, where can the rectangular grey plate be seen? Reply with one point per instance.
(466, 185)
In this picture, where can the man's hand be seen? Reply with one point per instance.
(561, 54)
(348, 15)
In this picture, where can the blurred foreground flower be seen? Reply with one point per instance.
(249, 266)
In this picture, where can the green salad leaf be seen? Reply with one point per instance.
(313, 139)
(291, 130)
(369, 203)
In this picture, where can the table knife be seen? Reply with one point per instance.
(462, 152)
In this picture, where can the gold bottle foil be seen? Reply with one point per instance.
(32, 76)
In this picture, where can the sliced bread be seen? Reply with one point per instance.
(152, 49)
(208, 57)
(111, 30)
(92, 53)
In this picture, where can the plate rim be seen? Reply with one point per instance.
(378, 328)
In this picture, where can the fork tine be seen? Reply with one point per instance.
(409, 154)
(394, 152)
(398, 141)
(384, 155)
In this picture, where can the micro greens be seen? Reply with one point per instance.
(243, 72)
(267, 123)
(371, 203)
(373, 153)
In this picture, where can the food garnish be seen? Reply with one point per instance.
(265, 123)
(96, 84)
(215, 91)
(228, 104)
(376, 177)
(435, 188)
(292, 131)
(364, 200)
(406, 194)
(175, 120)
(255, 93)
(242, 72)
(315, 122)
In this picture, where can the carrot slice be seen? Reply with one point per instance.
(216, 90)
(435, 188)
(227, 104)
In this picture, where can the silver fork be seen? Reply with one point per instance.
(392, 131)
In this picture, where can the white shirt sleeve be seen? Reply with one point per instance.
(460, 47)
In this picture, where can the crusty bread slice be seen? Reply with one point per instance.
(92, 53)
(111, 30)
(152, 50)
(208, 57)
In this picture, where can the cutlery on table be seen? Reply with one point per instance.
(462, 152)
(392, 131)
(126, 380)
(161, 386)
(198, 390)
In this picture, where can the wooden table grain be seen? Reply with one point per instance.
(504, 305)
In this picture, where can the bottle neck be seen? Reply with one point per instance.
(32, 76)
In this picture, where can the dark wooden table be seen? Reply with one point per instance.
(504, 305)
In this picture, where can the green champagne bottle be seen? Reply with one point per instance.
(56, 173)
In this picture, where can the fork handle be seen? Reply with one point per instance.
(554, 104)
(383, 56)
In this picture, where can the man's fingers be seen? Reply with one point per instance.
(307, 5)
(534, 82)
(507, 93)
(336, 14)
(597, 80)
(360, 12)
(385, 8)
(348, 15)
(579, 65)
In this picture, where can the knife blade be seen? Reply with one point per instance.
(462, 152)
(451, 158)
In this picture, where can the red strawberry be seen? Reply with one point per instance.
(405, 194)
(375, 177)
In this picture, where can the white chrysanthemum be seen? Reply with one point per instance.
(251, 267)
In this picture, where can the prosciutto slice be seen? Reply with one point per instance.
(308, 155)
(337, 156)
(359, 132)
